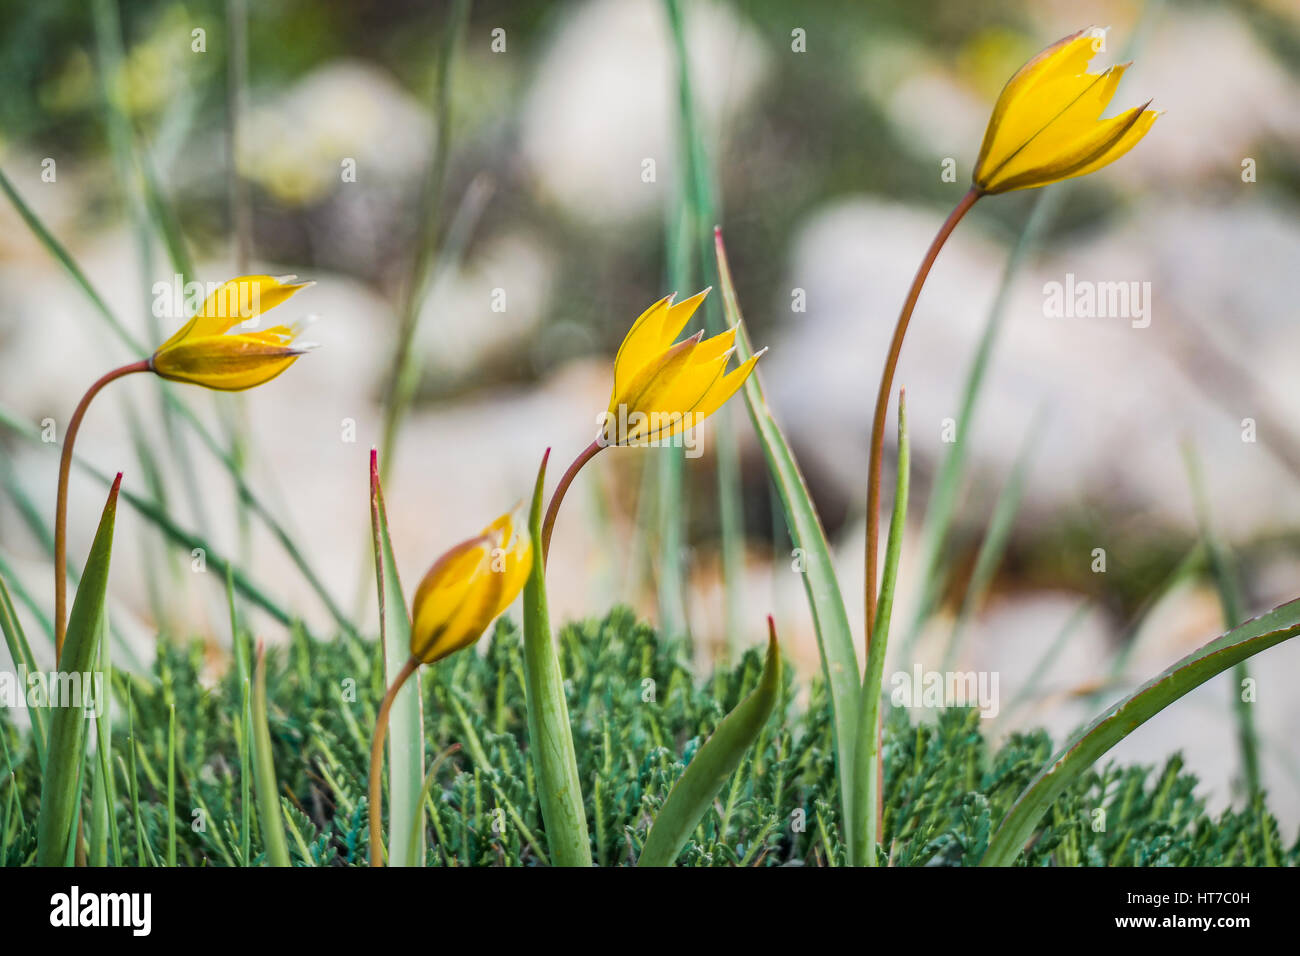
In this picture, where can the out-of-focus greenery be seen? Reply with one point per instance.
(638, 716)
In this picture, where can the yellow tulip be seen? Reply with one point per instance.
(467, 588)
(205, 352)
(1046, 125)
(661, 386)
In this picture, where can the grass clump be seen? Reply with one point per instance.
(639, 715)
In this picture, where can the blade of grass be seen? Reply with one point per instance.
(830, 620)
(405, 376)
(406, 718)
(171, 785)
(692, 795)
(1039, 670)
(20, 652)
(1229, 588)
(691, 258)
(868, 771)
(1122, 718)
(185, 539)
(61, 781)
(182, 410)
(994, 546)
(103, 829)
(550, 736)
(268, 799)
(946, 490)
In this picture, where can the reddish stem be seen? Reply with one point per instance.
(61, 502)
(377, 761)
(553, 509)
(882, 402)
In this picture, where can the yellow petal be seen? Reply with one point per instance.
(1046, 125)
(650, 336)
(640, 345)
(228, 363)
(1057, 73)
(234, 301)
(723, 389)
(444, 588)
(663, 368)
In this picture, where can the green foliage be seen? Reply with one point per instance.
(946, 788)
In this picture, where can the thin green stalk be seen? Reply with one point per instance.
(868, 770)
(946, 489)
(550, 736)
(171, 785)
(691, 256)
(406, 732)
(182, 410)
(65, 759)
(996, 536)
(812, 558)
(1228, 585)
(268, 798)
(405, 376)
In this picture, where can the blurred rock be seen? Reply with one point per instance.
(604, 100)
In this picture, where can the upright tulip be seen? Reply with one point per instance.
(201, 353)
(661, 386)
(1045, 127)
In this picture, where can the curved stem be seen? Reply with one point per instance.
(61, 502)
(553, 509)
(882, 401)
(377, 760)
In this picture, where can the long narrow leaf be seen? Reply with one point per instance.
(1082, 750)
(20, 651)
(406, 719)
(830, 620)
(866, 766)
(550, 737)
(717, 760)
(268, 797)
(61, 782)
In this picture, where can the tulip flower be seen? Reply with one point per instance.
(461, 594)
(1046, 125)
(205, 352)
(661, 386)
(201, 353)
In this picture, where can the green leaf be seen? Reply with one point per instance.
(20, 652)
(715, 761)
(550, 738)
(830, 620)
(866, 767)
(268, 799)
(1081, 751)
(406, 719)
(61, 782)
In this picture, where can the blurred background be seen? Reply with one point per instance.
(487, 196)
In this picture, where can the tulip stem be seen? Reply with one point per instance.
(61, 502)
(882, 403)
(377, 760)
(553, 509)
